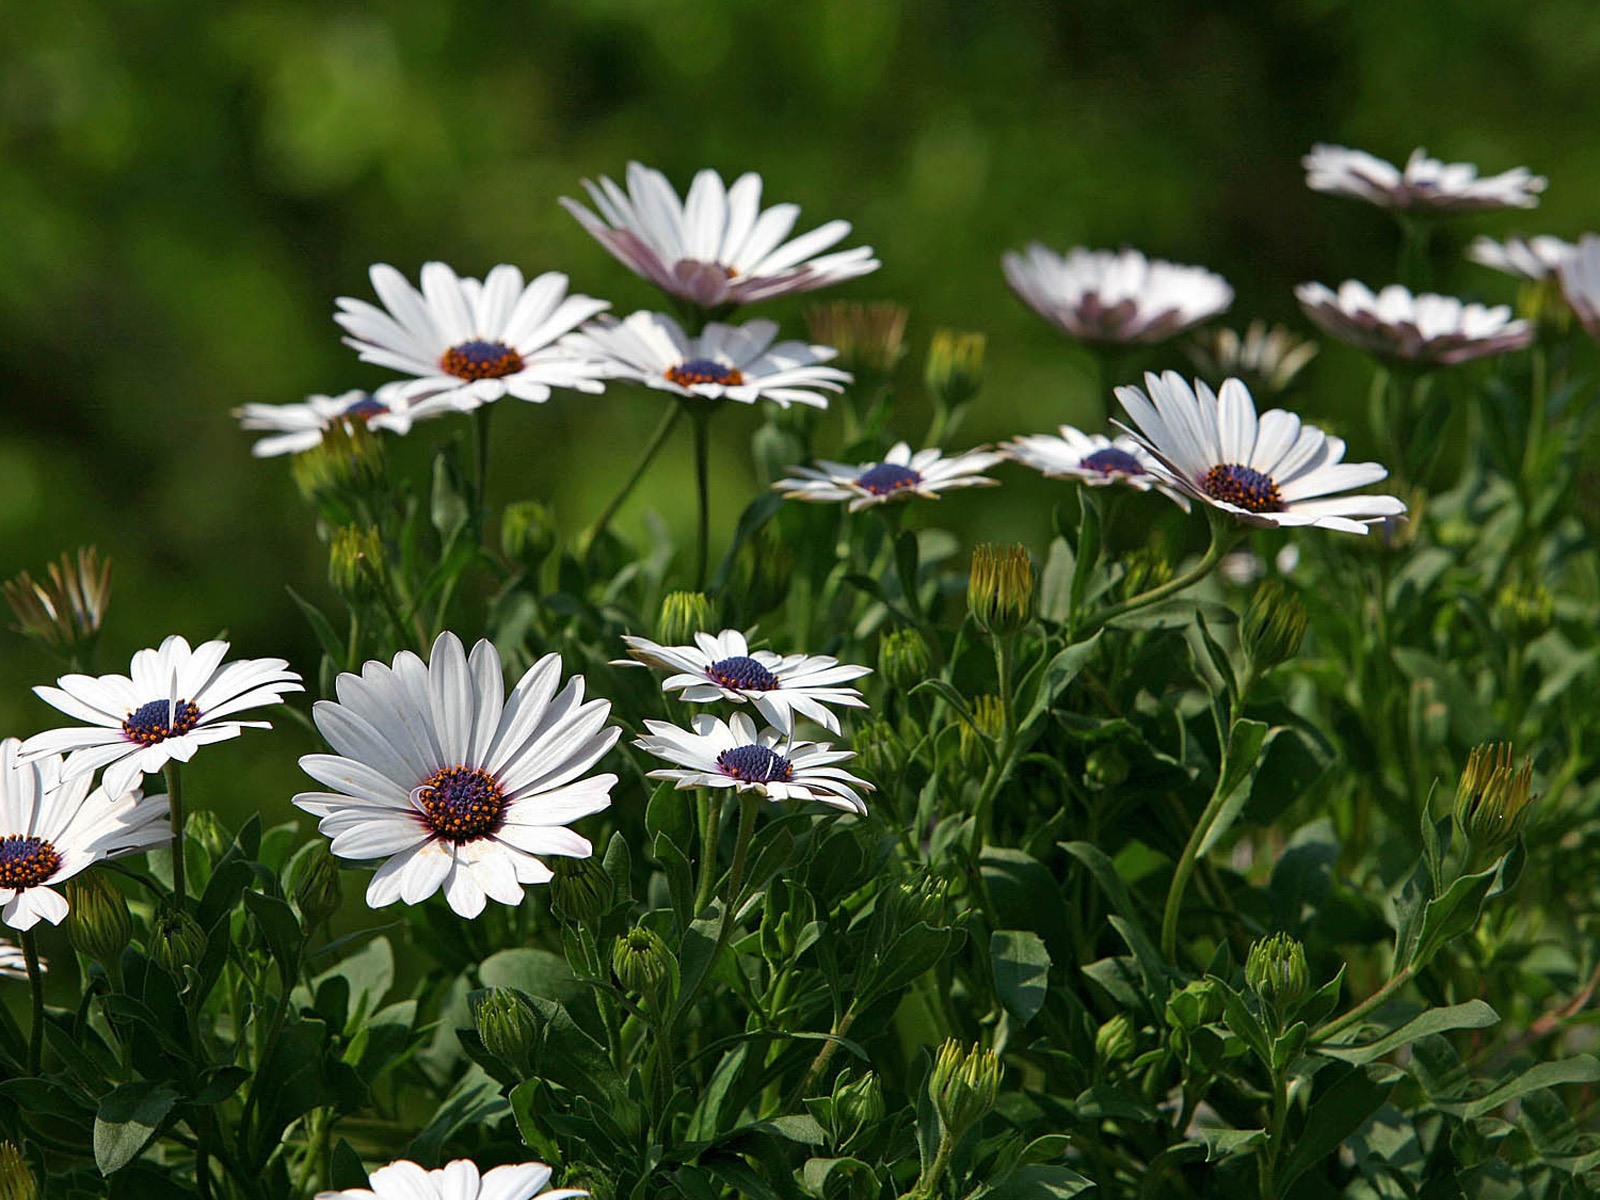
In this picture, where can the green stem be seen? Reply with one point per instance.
(983, 810)
(30, 952)
(480, 463)
(175, 803)
(1340, 1024)
(929, 1181)
(1268, 1155)
(1223, 537)
(826, 1053)
(710, 831)
(702, 481)
(669, 421)
(749, 803)
(1186, 863)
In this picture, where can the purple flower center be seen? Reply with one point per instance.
(159, 720)
(367, 407)
(478, 359)
(461, 804)
(742, 673)
(26, 861)
(755, 764)
(887, 478)
(1244, 487)
(704, 370)
(1112, 461)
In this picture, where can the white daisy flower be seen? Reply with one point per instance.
(456, 784)
(1580, 283)
(1427, 328)
(721, 666)
(899, 476)
(1114, 296)
(172, 702)
(468, 342)
(726, 362)
(1267, 471)
(1534, 259)
(715, 247)
(459, 1180)
(1425, 185)
(13, 962)
(731, 754)
(1268, 358)
(52, 827)
(1091, 458)
(295, 428)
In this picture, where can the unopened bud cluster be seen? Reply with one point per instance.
(17, 1181)
(527, 533)
(65, 610)
(356, 563)
(1493, 796)
(955, 366)
(904, 659)
(985, 729)
(176, 940)
(100, 927)
(580, 890)
(1274, 625)
(684, 614)
(1000, 588)
(507, 1027)
(1276, 971)
(643, 963)
(963, 1085)
(313, 882)
(349, 460)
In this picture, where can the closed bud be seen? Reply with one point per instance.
(1000, 588)
(1115, 1040)
(356, 564)
(176, 940)
(1106, 767)
(1274, 625)
(986, 727)
(313, 881)
(762, 571)
(870, 338)
(1525, 611)
(507, 1027)
(684, 614)
(348, 461)
(527, 533)
(581, 889)
(1195, 1004)
(643, 963)
(904, 659)
(64, 611)
(963, 1085)
(1276, 971)
(1144, 569)
(205, 829)
(1267, 360)
(1542, 302)
(955, 366)
(857, 1104)
(101, 926)
(879, 749)
(17, 1181)
(1493, 797)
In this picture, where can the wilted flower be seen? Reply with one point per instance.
(1116, 297)
(65, 611)
(1493, 796)
(1267, 360)
(1000, 588)
(1426, 184)
(1274, 625)
(898, 476)
(1276, 971)
(870, 338)
(963, 1085)
(506, 1027)
(954, 372)
(1429, 329)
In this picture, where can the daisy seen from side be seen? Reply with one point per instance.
(458, 786)
(716, 247)
(1580, 283)
(295, 428)
(1270, 470)
(458, 1180)
(1532, 259)
(899, 475)
(173, 701)
(1114, 296)
(1423, 185)
(1429, 329)
(714, 753)
(1090, 458)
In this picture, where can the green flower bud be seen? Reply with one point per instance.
(204, 828)
(1276, 971)
(1274, 625)
(870, 338)
(955, 366)
(879, 749)
(313, 881)
(762, 572)
(507, 1027)
(857, 1105)
(1542, 302)
(1000, 588)
(1493, 797)
(1195, 1004)
(101, 926)
(904, 659)
(16, 1177)
(989, 715)
(684, 614)
(63, 613)
(1115, 1040)
(1106, 767)
(527, 533)
(356, 564)
(963, 1085)
(349, 461)
(598, 1183)
(1525, 611)
(643, 963)
(1144, 569)
(581, 890)
(176, 941)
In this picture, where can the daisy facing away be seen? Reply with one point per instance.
(173, 701)
(1090, 458)
(468, 343)
(730, 754)
(295, 428)
(725, 362)
(1114, 296)
(458, 786)
(721, 666)
(1265, 471)
(52, 827)
(899, 476)
(1424, 185)
(1426, 328)
(459, 1180)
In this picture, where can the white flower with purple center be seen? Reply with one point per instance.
(173, 701)
(715, 248)
(1580, 283)
(1090, 458)
(469, 342)
(457, 785)
(459, 1180)
(899, 475)
(1425, 185)
(1114, 296)
(1429, 329)
(1533, 259)
(296, 428)
(1266, 471)
(721, 666)
(731, 754)
(52, 827)
(725, 362)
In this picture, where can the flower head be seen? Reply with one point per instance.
(173, 701)
(898, 476)
(1271, 470)
(1580, 283)
(1427, 328)
(1493, 796)
(1266, 359)
(1425, 185)
(468, 343)
(868, 337)
(1115, 296)
(65, 611)
(1533, 259)
(721, 666)
(716, 247)
(294, 428)
(731, 754)
(725, 362)
(458, 786)
(1090, 458)
(52, 827)
(459, 1180)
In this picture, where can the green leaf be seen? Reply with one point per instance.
(1039, 1183)
(1021, 967)
(1246, 740)
(1044, 684)
(1131, 925)
(1055, 582)
(1449, 916)
(345, 1170)
(1582, 1069)
(448, 512)
(332, 644)
(669, 813)
(698, 950)
(1236, 1015)
(280, 928)
(1474, 1014)
(534, 972)
(1026, 896)
(1335, 1113)
(1225, 1143)
(127, 1121)
(1087, 549)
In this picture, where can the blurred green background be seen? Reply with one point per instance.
(188, 186)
